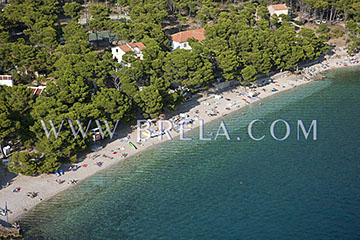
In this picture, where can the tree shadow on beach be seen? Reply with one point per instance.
(4, 223)
(5, 176)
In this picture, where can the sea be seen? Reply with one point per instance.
(240, 188)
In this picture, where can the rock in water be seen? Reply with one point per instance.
(8, 232)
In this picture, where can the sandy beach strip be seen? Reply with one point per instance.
(46, 185)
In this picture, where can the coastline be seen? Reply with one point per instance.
(47, 186)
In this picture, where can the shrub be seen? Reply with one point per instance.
(337, 33)
(300, 23)
(24, 163)
(323, 28)
(324, 37)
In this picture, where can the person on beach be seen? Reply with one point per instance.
(31, 194)
(16, 225)
(2, 212)
(60, 181)
(74, 181)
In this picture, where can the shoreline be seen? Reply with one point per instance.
(47, 187)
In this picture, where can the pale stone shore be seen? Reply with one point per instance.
(232, 100)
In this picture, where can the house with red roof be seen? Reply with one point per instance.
(180, 40)
(7, 80)
(278, 9)
(120, 50)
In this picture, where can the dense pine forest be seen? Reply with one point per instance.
(43, 42)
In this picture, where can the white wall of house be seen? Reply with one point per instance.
(180, 45)
(140, 55)
(117, 53)
(279, 12)
(9, 83)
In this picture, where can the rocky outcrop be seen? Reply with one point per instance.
(8, 232)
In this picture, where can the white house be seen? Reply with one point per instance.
(6, 80)
(119, 51)
(180, 40)
(278, 9)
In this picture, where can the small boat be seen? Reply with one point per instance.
(132, 145)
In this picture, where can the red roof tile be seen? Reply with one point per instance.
(5, 77)
(129, 46)
(197, 34)
(125, 48)
(139, 45)
(279, 7)
(38, 92)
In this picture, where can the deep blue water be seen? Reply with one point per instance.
(293, 189)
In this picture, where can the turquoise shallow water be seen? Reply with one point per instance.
(191, 189)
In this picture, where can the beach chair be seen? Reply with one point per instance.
(57, 173)
(61, 172)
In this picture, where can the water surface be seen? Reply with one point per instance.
(294, 189)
